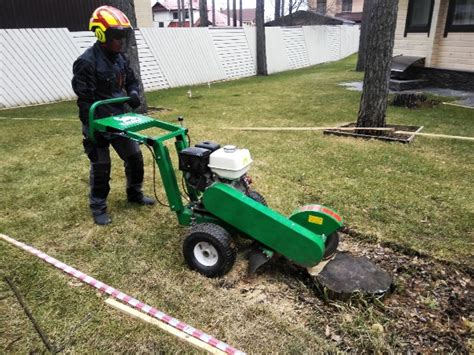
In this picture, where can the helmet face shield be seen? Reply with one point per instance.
(117, 40)
(116, 33)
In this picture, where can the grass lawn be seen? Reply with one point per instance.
(417, 197)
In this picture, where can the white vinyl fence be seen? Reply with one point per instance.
(36, 64)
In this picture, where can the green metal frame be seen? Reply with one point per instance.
(128, 125)
(301, 237)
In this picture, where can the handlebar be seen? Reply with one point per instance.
(116, 100)
(94, 125)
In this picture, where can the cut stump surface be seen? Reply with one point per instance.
(346, 274)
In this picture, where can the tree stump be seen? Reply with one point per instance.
(347, 275)
(409, 100)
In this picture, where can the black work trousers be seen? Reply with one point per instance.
(100, 164)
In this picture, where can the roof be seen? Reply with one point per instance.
(351, 16)
(302, 18)
(175, 24)
(221, 20)
(248, 15)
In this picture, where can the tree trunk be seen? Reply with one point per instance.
(183, 9)
(282, 8)
(373, 103)
(191, 13)
(128, 8)
(234, 13)
(180, 23)
(363, 35)
(203, 21)
(277, 9)
(228, 12)
(260, 28)
(213, 12)
(240, 12)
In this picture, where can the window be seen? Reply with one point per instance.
(321, 6)
(176, 17)
(460, 16)
(419, 16)
(346, 5)
(161, 24)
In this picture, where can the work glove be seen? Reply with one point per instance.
(134, 100)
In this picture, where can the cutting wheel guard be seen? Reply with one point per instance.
(318, 219)
(300, 238)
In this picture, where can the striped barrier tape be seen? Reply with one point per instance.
(175, 323)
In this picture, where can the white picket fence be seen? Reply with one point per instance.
(36, 64)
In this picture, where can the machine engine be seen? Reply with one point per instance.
(206, 162)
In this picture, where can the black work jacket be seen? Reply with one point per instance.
(99, 75)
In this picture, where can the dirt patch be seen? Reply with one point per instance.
(430, 308)
(413, 100)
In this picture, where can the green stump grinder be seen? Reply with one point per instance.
(222, 204)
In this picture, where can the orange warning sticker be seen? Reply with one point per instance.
(315, 219)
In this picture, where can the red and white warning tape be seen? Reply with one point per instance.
(175, 323)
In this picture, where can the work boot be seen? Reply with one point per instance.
(98, 207)
(142, 200)
(102, 219)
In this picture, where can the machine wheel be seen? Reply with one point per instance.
(209, 249)
(332, 243)
(254, 195)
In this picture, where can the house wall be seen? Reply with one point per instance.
(335, 6)
(414, 44)
(163, 16)
(357, 5)
(167, 17)
(143, 13)
(454, 52)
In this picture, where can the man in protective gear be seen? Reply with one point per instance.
(103, 72)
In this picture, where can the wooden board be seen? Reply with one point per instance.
(163, 326)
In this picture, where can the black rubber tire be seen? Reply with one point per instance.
(220, 239)
(332, 242)
(254, 195)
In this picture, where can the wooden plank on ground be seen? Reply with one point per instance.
(308, 128)
(434, 135)
(167, 328)
(458, 105)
